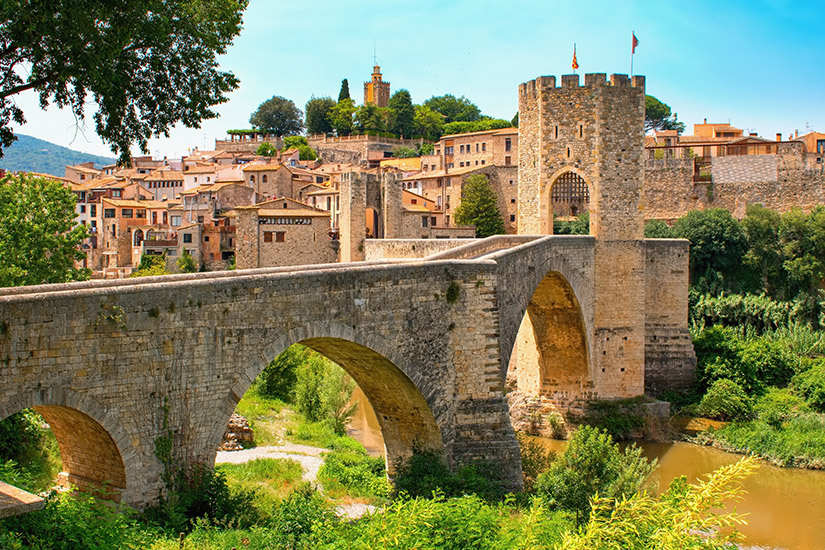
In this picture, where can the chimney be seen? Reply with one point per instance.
(796, 133)
(706, 120)
(778, 136)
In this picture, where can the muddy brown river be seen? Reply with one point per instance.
(785, 507)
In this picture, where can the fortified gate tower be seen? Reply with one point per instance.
(581, 149)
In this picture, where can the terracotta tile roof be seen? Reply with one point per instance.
(127, 203)
(442, 174)
(165, 175)
(497, 132)
(83, 169)
(259, 166)
(203, 169)
(418, 208)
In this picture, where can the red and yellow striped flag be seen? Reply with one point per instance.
(575, 62)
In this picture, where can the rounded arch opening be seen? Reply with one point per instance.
(403, 414)
(91, 460)
(550, 358)
(569, 202)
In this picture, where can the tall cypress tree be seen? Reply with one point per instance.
(479, 207)
(344, 93)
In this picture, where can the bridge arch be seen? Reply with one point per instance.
(402, 397)
(94, 448)
(551, 355)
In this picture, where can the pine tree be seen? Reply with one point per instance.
(479, 207)
(344, 93)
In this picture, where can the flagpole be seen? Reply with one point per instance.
(574, 57)
(632, 52)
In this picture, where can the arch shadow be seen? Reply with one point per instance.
(398, 397)
(95, 450)
(572, 177)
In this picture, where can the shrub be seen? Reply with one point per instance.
(592, 463)
(150, 265)
(20, 435)
(186, 263)
(811, 385)
(294, 521)
(425, 473)
(354, 473)
(725, 400)
(279, 377)
(535, 460)
(778, 406)
(308, 389)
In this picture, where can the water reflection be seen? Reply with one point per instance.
(364, 425)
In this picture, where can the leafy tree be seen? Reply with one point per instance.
(482, 125)
(344, 93)
(39, 239)
(428, 123)
(309, 387)
(425, 149)
(514, 122)
(337, 400)
(402, 114)
(593, 464)
(371, 118)
(725, 400)
(802, 241)
(147, 65)
(293, 142)
(266, 149)
(305, 152)
(578, 226)
(717, 241)
(659, 117)
(454, 109)
(186, 263)
(479, 207)
(404, 153)
(657, 229)
(279, 116)
(340, 117)
(317, 115)
(279, 377)
(150, 265)
(763, 256)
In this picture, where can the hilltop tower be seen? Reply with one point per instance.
(376, 91)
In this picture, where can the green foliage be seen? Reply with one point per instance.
(479, 207)
(404, 153)
(453, 292)
(321, 434)
(426, 149)
(402, 114)
(266, 149)
(20, 434)
(657, 229)
(620, 418)
(268, 478)
(39, 240)
(811, 385)
(150, 265)
(293, 142)
(482, 125)
(294, 524)
(725, 400)
(186, 263)
(355, 474)
(535, 460)
(454, 109)
(77, 522)
(686, 516)
(578, 226)
(279, 116)
(29, 154)
(428, 123)
(592, 464)
(340, 116)
(371, 118)
(317, 115)
(279, 377)
(659, 117)
(717, 241)
(514, 122)
(29, 454)
(147, 66)
(344, 93)
(778, 406)
(202, 492)
(753, 364)
(758, 312)
(425, 472)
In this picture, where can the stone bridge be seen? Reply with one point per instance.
(115, 367)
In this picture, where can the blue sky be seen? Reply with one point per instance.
(758, 63)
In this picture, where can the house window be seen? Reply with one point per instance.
(206, 238)
(512, 201)
(263, 178)
(432, 221)
(512, 217)
(506, 161)
(267, 236)
(448, 150)
(508, 144)
(424, 220)
(280, 236)
(93, 210)
(251, 179)
(116, 193)
(82, 177)
(140, 213)
(175, 221)
(82, 208)
(483, 147)
(483, 162)
(126, 212)
(200, 219)
(207, 179)
(476, 147)
(187, 238)
(413, 201)
(196, 179)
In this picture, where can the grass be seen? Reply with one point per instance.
(354, 475)
(271, 478)
(799, 442)
(267, 417)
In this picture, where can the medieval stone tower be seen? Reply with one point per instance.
(376, 91)
(584, 145)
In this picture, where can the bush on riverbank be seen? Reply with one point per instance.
(354, 474)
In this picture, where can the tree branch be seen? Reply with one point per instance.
(23, 87)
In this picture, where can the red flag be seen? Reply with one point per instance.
(575, 63)
(635, 43)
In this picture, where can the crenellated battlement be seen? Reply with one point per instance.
(591, 80)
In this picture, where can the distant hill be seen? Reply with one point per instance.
(30, 154)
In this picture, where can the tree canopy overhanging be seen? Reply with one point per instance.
(147, 64)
